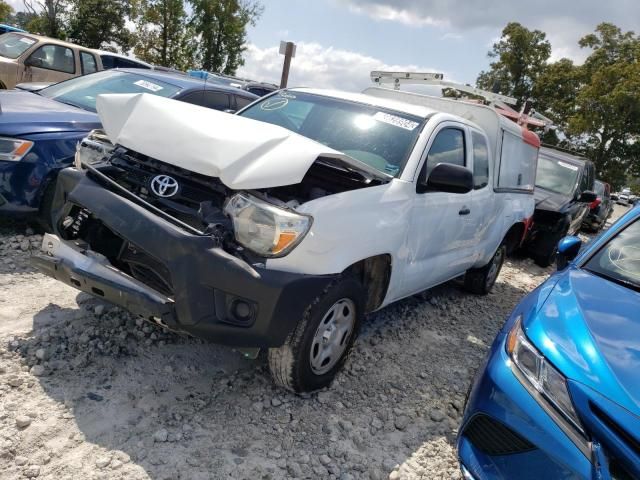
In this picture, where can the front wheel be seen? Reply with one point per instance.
(481, 280)
(316, 350)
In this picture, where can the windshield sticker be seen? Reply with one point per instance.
(148, 85)
(396, 121)
(28, 41)
(287, 95)
(274, 103)
(569, 166)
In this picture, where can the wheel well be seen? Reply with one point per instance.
(375, 274)
(514, 237)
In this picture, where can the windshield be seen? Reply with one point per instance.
(380, 138)
(13, 45)
(619, 260)
(556, 175)
(82, 91)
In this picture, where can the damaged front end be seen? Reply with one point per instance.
(182, 248)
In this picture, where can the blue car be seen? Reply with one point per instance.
(559, 395)
(39, 130)
(4, 28)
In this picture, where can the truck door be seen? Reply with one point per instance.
(50, 63)
(441, 230)
(485, 213)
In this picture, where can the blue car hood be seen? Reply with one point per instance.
(589, 328)
(24, 113)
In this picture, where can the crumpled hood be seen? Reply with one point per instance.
(22, 113)
(243, 153)
(589, 328)
(551, 201)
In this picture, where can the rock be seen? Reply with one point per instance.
(32, 472)
(20, 460)
(275, 402)
(161, 435)
(41, 354)
(24, 246)
(102, 462)
(437, 415)
(402, 422)
(37, 370)
(99, 310)
(257, 406)
(394, 475)
(115, 464)
(15, 381)
(324, 459)
(29, 231)
(95, 397)
(23, 421)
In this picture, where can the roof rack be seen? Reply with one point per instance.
(502, 103)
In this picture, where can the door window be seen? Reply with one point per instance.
(480, 161)
(53, 57)
(209, 99)
(88, 63)
(447, 147)
(243, 101)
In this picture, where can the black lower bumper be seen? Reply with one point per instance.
(216, 296)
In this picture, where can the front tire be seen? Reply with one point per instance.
(315, 351)
(481, 280)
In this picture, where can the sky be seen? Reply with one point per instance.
(340, 41)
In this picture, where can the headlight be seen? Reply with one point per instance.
(544, 377)
(264, 228)
(93, 149)
(14, 149)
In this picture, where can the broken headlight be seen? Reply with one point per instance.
(94, 148)
(264, 228)
(544, 377)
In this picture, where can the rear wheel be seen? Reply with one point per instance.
(481, 280)
(317, 348)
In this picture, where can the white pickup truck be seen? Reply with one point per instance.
(282, 226)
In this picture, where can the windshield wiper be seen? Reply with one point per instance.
(620, 281)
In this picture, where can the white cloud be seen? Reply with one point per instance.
(565, 22)
(318, 66)
(17, 5)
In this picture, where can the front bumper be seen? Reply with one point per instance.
(535, 447)
(208, 283)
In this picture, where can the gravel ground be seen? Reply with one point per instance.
(87, 391)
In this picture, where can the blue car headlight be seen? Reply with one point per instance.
(14, 149)
(93, 149)
(543, 376)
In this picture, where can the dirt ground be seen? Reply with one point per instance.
(89, 392)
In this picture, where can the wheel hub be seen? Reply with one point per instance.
(332, 336)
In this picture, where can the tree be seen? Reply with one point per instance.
(521, 55)
(164, 37)
(556, 90)
(98, 23)
(23, 20)
(606, 121)
(221, 27)
(48, 16)
(5, 11)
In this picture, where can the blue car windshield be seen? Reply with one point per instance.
(381, 138)
(619, 260)
(82, 92)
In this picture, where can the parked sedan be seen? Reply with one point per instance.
(600, 209)
(559, 395)
(39, 130)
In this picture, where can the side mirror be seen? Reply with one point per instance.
(33, 62)
(446, 177)
(588, 196)
(568, 249)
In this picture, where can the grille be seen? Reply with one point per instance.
(493, 438)
(146, 269)
(135, 172)
(620, 431)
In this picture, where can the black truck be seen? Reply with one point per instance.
(563, 191)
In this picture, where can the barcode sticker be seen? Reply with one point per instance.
(148, 85)
(396, 121)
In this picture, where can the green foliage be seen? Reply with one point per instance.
(163, 34)
(521, 55)
(48, 17)
(99, 23)
(5, 12)
(220, 26)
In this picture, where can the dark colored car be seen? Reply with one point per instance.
(563, 192)
(600, 209)
(258, 88)
(559, 394)
(39, 130)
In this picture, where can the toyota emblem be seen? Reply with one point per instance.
(164, 186)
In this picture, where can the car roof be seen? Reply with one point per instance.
(11, 28)
(54, 41)
(416, 110)
(556, 154)
(186, 82)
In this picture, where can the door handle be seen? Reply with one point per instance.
(464, 211)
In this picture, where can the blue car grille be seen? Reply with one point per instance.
(493, 438)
